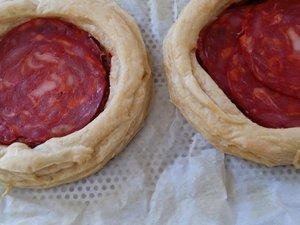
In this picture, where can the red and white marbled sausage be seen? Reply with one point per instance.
(53, 81)
(252, 52)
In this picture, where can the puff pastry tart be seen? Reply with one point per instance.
(75, 87)
(233, 69)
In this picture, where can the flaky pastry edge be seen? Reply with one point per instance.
(206, 106)
(77, 155)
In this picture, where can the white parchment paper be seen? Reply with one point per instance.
(168, 174)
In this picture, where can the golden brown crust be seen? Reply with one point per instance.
(205, 105)
(69, 158)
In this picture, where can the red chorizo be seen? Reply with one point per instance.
(271, 44)
(54, 81)
(252, 52)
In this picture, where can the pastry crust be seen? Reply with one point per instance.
(205, 105)
(74, 156)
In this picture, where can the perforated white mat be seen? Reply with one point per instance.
(166, 135)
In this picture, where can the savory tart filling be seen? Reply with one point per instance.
(252, 51)
(53, 81)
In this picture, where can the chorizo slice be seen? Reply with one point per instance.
(54, 81)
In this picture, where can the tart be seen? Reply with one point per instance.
(233, 70)
(75, 87)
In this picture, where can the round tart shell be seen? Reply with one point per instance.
(77, 155)
(206, 106)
